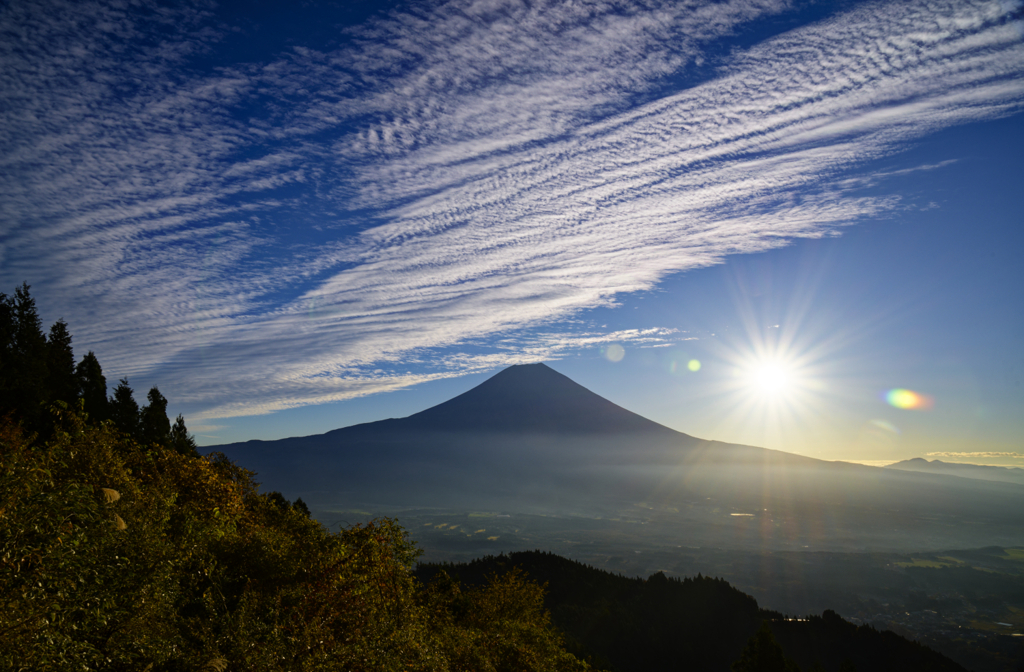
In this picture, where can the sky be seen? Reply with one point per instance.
(787, 224)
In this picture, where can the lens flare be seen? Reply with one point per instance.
(614, 352)
(693, 365)
(884, 425)
(908, 400)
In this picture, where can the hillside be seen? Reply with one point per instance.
(699, 623)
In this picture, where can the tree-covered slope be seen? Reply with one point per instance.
(122, 549)
(700, 623)
(116, 556)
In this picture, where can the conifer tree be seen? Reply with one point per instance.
(62, 383)
(23, 388)
(124, 410)
(8, 327)
(181, 440)
(155, 428)
(92, 386)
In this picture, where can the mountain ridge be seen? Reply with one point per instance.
(982, 472)
(532, 440)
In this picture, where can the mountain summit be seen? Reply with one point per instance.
(531, 399)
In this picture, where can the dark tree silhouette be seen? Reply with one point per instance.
(93, 387)
(37, 371)
(181, 440)
(23, 367)
(8, 346)
(124, 411)
(279, 500)
(763, 654)
(62, 382)
(155, 428)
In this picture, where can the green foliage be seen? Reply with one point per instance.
(117, 556)
(502, 626)
(181, 440)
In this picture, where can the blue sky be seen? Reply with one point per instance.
(293, 220)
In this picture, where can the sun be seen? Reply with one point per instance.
(772, 378)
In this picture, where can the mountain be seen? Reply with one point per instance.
(978, 471)
(532, 399)
(531, 440)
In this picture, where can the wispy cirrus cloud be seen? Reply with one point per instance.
(267, 235)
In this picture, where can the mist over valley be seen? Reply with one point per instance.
(531, 460)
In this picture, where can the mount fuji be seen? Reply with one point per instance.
(529, 439)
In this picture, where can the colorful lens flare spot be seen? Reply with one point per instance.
(614, 352)
(908, 400)
(885, 426)
(693, 365)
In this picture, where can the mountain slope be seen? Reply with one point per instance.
(532, 399)
(531, 440)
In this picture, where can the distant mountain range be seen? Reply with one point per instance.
(978, 471)
(529, 439)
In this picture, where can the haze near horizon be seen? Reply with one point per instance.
(531, 441)
(785, 224)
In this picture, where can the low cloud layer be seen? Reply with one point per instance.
(438, 194)
(981, 454)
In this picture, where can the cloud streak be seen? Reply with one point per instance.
(1014, 456)
(267, 235)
